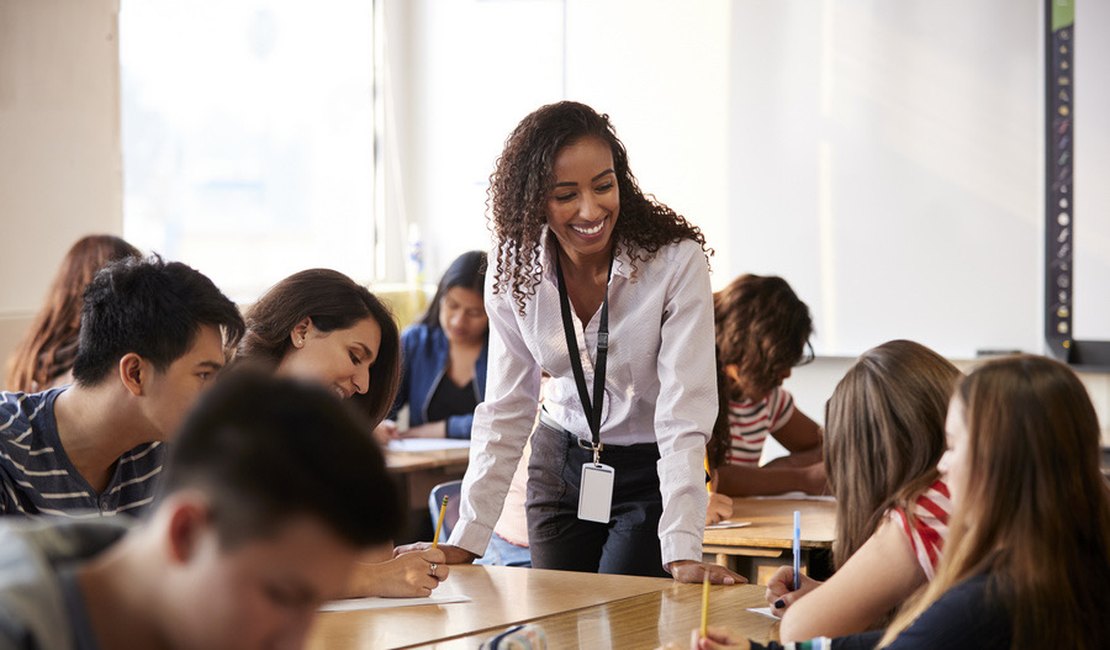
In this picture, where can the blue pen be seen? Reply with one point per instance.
(797, 550)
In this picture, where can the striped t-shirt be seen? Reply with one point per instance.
(38, 478)
(930, 525)
(749, 423)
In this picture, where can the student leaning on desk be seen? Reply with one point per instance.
(608, 292)
(762, 333)
(884, 436)
(1027, 564)
(321, 326)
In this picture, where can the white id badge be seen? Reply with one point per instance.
(595, 494)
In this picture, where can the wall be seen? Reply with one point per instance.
(478, 67)
(60, 163)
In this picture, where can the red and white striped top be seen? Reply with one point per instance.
(749, 423)
(930, 525)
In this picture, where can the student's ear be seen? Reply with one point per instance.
(132, 373)
(189, 519)
(300, 331)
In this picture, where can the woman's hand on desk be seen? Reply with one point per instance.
(411, 575)
(780, 594)
(719, 509)
(693, 571)
(453, 554)
(386, 431)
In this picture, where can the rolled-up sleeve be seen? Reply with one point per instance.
(687, 404)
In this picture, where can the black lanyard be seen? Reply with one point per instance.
(592, 411)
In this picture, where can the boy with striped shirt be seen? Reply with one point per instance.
(153, 336)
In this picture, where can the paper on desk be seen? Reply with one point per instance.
(721, 525)
(427, 444)
(797, 495)
(376, 602)
(763, 611)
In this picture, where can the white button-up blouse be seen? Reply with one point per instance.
(660, 386)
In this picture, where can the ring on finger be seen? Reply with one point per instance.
(432, 569)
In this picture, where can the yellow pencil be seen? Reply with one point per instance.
(439, 524)
(705, 605)
(708, 477)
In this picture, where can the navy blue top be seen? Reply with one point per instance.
(37, 477)
(969, 616)
(425, 352)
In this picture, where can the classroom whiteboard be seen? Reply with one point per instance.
(887, 160)
(1091, 320)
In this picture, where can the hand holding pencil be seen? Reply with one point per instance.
(453, 554)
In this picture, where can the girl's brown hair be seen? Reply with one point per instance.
(47, 352)
(524, 175)
(762, 329)
(1036, 516)
(333, 301)
(884, 434)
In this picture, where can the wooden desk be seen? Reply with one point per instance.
(403, 462)
(771, 533)
(648, 620)
(501, 596)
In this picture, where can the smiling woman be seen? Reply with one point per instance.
(606, 291)
(322, 326)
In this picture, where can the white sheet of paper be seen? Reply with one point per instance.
(797, 496)
(763, 611)
(721, 525)
(376, 602)
(427, 444)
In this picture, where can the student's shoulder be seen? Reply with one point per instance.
(972, 614)
(683, 251)
(31, 610)
(420, 335)
(19, 409)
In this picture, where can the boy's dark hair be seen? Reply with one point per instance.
(267, 450)
(150, 307)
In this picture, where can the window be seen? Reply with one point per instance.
(248, 136)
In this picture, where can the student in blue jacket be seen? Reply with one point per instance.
(443, 373)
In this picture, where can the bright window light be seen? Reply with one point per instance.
(248, 136)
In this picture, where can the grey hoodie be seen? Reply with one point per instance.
(33, 614)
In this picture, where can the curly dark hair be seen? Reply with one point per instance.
(762, 329)
(524, 176)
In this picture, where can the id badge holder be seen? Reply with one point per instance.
(595, 494)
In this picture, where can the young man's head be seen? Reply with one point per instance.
(272, 490)
(160, 329)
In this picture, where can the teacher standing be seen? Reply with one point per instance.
(607, 291)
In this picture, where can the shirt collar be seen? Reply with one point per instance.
(622, 263)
